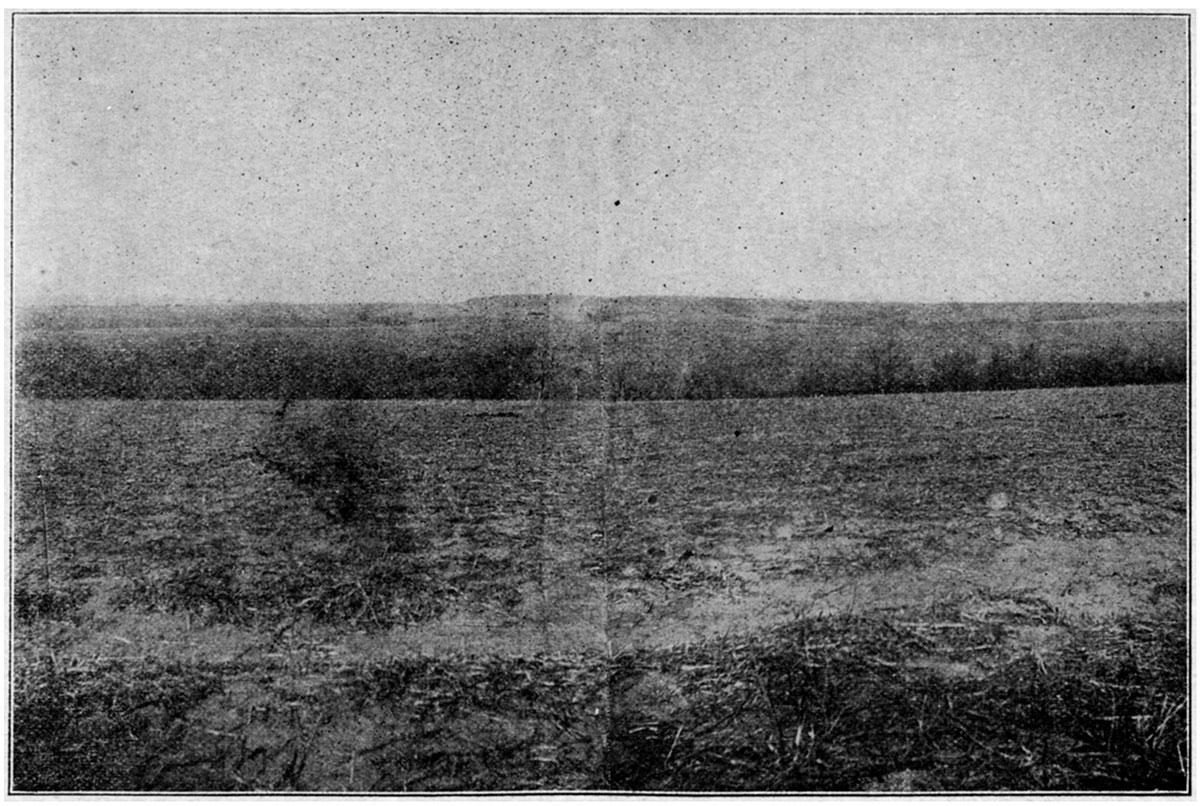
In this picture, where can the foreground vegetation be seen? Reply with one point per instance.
(821, 704)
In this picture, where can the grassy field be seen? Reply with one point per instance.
(939, 592)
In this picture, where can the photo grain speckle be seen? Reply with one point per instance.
(599, 403)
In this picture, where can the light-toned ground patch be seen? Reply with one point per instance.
(1019, 581)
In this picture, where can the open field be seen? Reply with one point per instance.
(978, 591)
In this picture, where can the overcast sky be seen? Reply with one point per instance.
(435, 158)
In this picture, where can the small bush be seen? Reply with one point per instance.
(886, 366)
(34, 602)
(1009, 367)
(955, 370)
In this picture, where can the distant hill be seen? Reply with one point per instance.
(524, 346)
(576, 309)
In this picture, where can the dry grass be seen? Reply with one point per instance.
(831, 704)
(840, 705)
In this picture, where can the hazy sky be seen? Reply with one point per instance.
(433, 158)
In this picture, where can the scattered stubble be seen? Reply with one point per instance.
(951, 592)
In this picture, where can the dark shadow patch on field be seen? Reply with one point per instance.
(352, 560)
(329, 450)
(34, 599)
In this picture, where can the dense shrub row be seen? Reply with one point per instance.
(513, 363)
(887, 365)
(262, 364)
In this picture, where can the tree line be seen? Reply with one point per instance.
(501, 362)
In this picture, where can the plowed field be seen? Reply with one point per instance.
(919, 592)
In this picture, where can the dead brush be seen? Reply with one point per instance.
(99, 725)
(834, 705)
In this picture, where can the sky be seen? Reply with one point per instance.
(434, 158)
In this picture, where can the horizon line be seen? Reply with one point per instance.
(561, 296)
